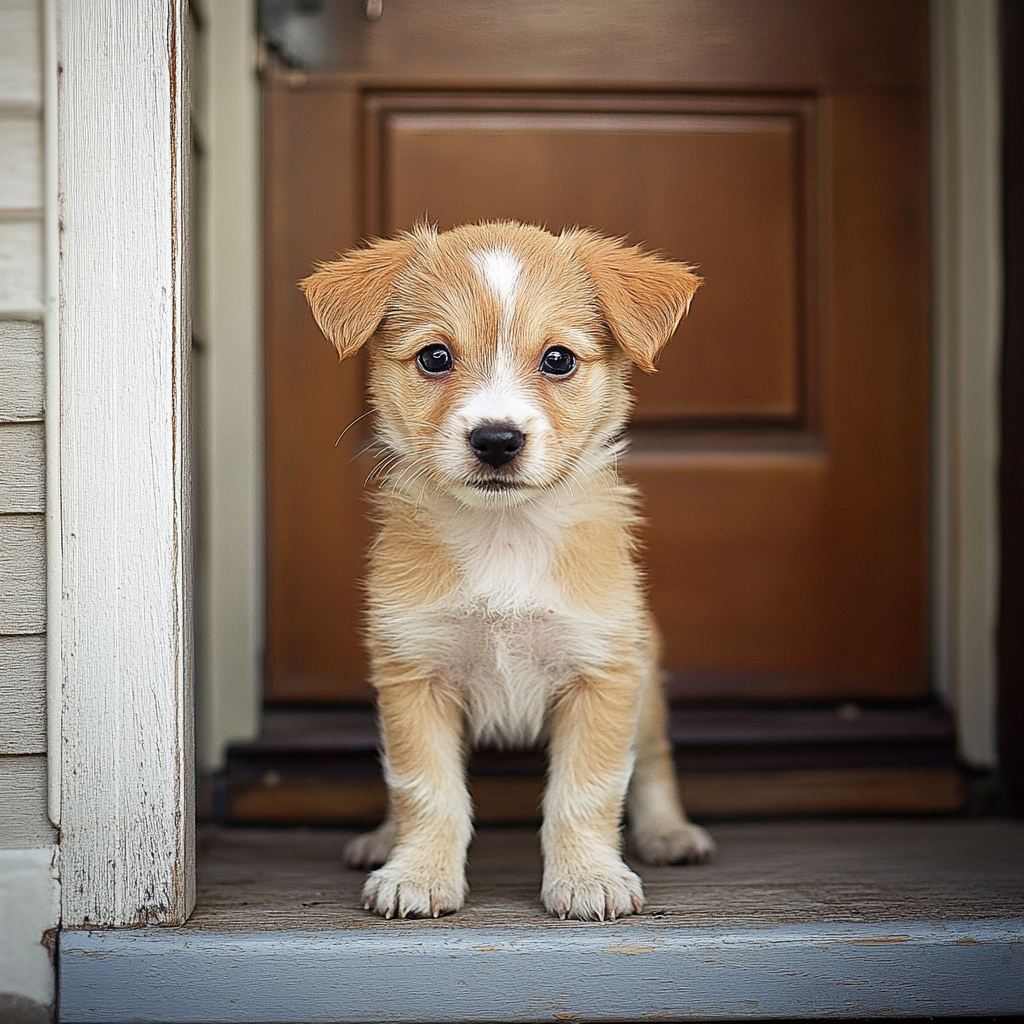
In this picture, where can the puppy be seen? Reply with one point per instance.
(504, 599)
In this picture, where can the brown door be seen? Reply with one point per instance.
(782, 448)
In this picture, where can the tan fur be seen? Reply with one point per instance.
(597, 551)
(409, 563)
(503, 600)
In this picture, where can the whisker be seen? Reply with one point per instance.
(351, 425)
(412, 465)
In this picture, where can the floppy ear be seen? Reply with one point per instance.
(349, 297)
(642, 296)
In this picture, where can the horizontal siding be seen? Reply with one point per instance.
(23, 822)
(21, 371)
(22, 695)
(22, 467)
(21, 83)
(23, 741)
(21, 267)
(22, 574)
(21, 162)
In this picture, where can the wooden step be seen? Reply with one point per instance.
(791, 919)
(322, 766)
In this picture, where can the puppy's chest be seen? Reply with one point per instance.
(506, 636)
(507, 662)
(509, 617)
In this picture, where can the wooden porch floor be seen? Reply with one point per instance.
(793, 919)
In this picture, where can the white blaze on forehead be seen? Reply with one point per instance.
(500, 271)
(501, 398)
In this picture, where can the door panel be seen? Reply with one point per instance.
(782, 448)
(724, 182)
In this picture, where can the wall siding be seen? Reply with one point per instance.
(23, 766)
(29, 872)
(21, 267)
(22, 467)
(22, 575)
(21, 81)
(21, 150)
(22, 695)
(24, 823)
(21, 371)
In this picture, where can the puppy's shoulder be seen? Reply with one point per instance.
(595, 564)
(408, 562)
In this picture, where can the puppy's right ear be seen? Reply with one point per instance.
(349, 297)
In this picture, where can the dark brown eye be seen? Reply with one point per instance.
(557, 362)
(435, 360)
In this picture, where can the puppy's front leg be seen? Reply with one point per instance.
(661, 832)
(590, 762)
(424, 767)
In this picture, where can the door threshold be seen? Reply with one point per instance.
(890, 918)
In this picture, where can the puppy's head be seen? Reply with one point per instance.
(500, 353)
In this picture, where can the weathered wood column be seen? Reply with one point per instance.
(126, 789)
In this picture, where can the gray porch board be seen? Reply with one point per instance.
(792, 919)
(586, 972)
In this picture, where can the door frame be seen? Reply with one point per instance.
(229, 368)
(122, 775)
(967, 273)
(126, 711)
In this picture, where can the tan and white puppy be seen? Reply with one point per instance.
(504, 599)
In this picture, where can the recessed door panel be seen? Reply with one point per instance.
(721, 189)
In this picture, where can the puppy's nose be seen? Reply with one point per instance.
(496, 443)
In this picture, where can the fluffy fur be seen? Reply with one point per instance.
(504, 600)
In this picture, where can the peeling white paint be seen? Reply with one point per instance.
(29, 907)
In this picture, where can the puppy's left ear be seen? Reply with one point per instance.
(642, 296)
(349, 297)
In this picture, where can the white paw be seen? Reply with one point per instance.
(402, 890)
(592, 894)
(371, 849)
(685, 843)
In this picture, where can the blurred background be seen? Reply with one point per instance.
(818, 454)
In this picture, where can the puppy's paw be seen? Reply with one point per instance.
(399, 890)
(684, 843)
(589, 894)
(371, 849)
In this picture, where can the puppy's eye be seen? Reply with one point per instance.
(557, 362)
(435, 360)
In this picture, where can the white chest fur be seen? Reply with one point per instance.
(515, 639)
(507, 636)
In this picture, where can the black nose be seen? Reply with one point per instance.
(496, 443)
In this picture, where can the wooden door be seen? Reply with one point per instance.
(783, 447)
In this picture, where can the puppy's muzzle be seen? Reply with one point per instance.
(496, 443)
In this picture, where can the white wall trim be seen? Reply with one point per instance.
(51, 369)
(127, 819)
(230, 671)
(967, 305)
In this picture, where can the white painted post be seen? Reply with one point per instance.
(127, 833)
(967, 310)
(230, 685)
